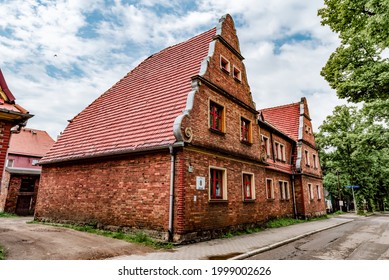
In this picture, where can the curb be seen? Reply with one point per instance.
(284, 242)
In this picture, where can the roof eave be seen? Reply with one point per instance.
(110, 154)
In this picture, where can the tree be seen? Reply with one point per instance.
(354, 145)
(358, 69)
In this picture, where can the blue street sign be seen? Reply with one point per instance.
(352, 187)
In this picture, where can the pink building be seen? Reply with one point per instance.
(21, 176)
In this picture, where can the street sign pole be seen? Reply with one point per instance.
(355, 204)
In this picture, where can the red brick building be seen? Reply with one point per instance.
(22, 172)
(176, 148)
(13, 116)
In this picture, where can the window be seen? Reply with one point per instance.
(265, 141)
(269, 189)
(318, 192)
(216, 117)
(217, 184)
(279, 150)
(237, 74)
(310, 192)
(27, 184)
(224, 64)
(307, 161)
(245, 130)
(248, 186)
(308, 129)
(284, 190)
(315, 165)
(10, 163)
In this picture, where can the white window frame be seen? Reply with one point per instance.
(307, 159)
(224, 183)
(10, 162)
(315, 161)
(310, 192)
(279, 149)
(225, 60)
(284, 190)
(318, 189)
(252, 186)
(271, 189)
(266, 141)
(236, 73)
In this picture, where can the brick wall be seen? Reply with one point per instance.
(127, 192)
(5, 134)
(203, 218)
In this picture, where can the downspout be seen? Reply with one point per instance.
(294, 195)
(293, 181)
(171, 202)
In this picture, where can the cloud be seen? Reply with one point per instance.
(58, 56)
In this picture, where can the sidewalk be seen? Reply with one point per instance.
(244, 246)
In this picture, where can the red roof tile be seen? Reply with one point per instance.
(285, 118)
(138, 112)
(5, 89)
(30, 142)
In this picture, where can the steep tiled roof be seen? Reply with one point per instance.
(30, 142)
(4, 88)
(285, 118)
(138, 112)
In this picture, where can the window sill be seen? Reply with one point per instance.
(217, 131)
(248, 143)
(270, 199)
(225, 70)
(237, 80)
(249, 200)
(218, 201)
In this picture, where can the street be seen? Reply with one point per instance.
(366, 238)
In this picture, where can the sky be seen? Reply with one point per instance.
(59, 56)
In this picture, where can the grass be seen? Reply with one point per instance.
(139, 237)
(275, 223)
(7, 215)
(2, 253)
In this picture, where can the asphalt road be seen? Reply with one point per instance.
(366, 238)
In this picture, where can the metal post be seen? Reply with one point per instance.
(355, 204)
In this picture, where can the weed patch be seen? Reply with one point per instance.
(2, 253)
(7, 215)
(139, 237)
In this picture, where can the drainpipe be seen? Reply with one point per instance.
(171, 202)
(294, 195)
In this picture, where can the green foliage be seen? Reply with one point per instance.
(2, 253)
(354, 150)
(282, 222)
(357, 69)
(7, 215)
(138, 237)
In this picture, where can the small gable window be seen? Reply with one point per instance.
(245, 130)
(307, 160)
(265, 143)
(216, 117)
(225, 64)
(279, 150)
(248, 186)
(237, 74)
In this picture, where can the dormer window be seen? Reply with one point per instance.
(237, 74)
(225, 64)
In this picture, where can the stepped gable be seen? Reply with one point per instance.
(138, 112)
(285, 118)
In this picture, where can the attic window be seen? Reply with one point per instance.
(225, 64)
(237, 74)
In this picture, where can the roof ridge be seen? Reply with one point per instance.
(280, 106)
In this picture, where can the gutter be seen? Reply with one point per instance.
(110, 153)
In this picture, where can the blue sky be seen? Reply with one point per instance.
(58, 56)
